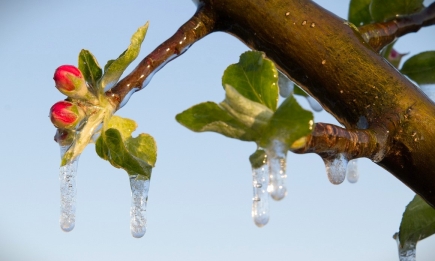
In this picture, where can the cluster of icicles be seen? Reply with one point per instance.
(269, 178)
(68, 190)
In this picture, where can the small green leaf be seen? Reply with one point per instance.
(208, 116)
(255, 77)
(109, 62)
(384, 10)
(418, 222)
(137, 155)
(251, 114)
(359, 12)
(114, 69)
(90, 68)
(289, 123)
(421, 68)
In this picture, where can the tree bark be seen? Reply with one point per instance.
(330, 60)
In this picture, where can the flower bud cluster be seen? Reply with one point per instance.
(68, 114)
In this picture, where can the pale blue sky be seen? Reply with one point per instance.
(199, 204)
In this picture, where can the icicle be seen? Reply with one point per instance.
(285, 85)
(277, 156)
(315, 105)
(139, 198)
(68, 190)
(408, 251)
(336, 168)
(260, 201)
(352, 171)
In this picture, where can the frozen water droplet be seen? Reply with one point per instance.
(260, 201)
(285, 85)
(139, 199)
(277, 156)
(314, 104)
(352, 171)
(408, 251)
(336, 168)
(68, 191)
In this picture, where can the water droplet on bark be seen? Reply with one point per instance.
(352, 173)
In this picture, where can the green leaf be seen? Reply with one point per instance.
(114, 69)
(289, 123)
(208, 116)
(384, 10)
(298, 91)
(255, 77)
(137, 155)
(251, 114)
(421, 68)
(90, 68)
(359, 12)
(418, 222)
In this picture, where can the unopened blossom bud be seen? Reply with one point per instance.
(64, 137)
(66, 115)
(70, 81)
(395, 57)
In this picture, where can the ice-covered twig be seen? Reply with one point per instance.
(201, 24)
(378, 35)
(328, 140)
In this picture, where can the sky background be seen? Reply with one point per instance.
(199, 204)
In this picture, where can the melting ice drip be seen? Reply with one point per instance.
(277, 155)
(352, 171)
(260, 201)
(68, 191)
(408, 252)
(139, 198)
(336, 168)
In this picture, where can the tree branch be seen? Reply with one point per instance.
(328, 139)
(379, 35)
(199, 25)
(331, 61)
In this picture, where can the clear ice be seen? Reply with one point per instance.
(336, 168)
(352, 171)
(260, 201)
(139, 198)
(68, 191)
(277, 156)
(408, 251)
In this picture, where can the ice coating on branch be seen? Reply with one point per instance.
(68, 191)
(336, 168)
(260, 201)
(352, 171)
(139, 198)
(408, 251)
(277, 156)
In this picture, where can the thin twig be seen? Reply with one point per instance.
(379, 35)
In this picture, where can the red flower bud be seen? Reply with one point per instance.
(64, 137)
(70, 81)
(66, 115)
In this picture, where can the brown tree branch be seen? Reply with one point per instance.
(328, 139)
(332, 62)
(198, 26)
(379, 35)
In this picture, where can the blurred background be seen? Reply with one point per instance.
(199, 205)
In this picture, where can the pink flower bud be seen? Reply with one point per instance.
(70, 81)
(66, 115)
(64, 137)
